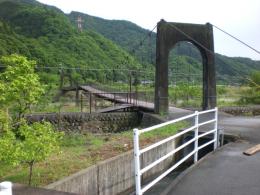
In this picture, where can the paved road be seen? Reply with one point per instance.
(247, 128)
(227, 171)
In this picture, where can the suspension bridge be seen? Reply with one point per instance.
(126, 100)
(218, 171)
(169, 34)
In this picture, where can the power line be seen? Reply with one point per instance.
(85, 69)
(236, 39)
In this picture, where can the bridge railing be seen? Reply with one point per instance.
(195, 128)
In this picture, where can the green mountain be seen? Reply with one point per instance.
(45, 34)
(185, 59)
(124, 33)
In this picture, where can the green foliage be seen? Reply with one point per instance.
(19, 84)
(221, 90)
(20, 142)
(254, 80)
(165, 131)
(46, 35)
(73, 139)
(129, 35)
(38, 141)
(10, 149)
(124, 33)
(4, 121)
(96, 142)
(252, 95)
(185, 93)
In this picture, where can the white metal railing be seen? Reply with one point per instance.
(137, 151)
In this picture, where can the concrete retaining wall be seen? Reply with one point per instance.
(149, 119)
(114, 175)
(86, 122)
(242, 111)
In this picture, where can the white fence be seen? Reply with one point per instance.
(195, 128)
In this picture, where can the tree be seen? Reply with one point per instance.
(254, 80)
(20, 88)
(39, 140)
(9, 149)
(252, 94)
(19, 84)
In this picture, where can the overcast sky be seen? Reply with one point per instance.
(240, 18)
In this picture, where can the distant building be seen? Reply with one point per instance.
(146, 82)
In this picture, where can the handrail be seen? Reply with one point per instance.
(167, 139)
(195, 128)
(166, 123)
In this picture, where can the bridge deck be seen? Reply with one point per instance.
(141, 104)
(115, 108)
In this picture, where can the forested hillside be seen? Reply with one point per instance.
(124, 33)
(184, 57)
(45, 34)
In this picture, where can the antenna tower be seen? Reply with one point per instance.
(80, 23)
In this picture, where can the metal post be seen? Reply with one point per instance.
(77, 96)
(114, 99)
(90, 102)
(221, 131)
(137, 163)
(216, 129)
(81, 103)
(130, 85)
(196, 134)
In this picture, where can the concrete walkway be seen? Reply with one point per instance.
(226, 171)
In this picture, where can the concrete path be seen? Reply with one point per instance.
(247, 128)
(226, 171)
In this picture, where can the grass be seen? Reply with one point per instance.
(79, 152)
(164, 131)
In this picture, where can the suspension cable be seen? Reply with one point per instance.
(236, 39)
(195, 41)
(145, 37)
(188, 36)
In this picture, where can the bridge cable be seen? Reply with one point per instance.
(188, 36)
(142, 41)
(198, 43)
(236, 39)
